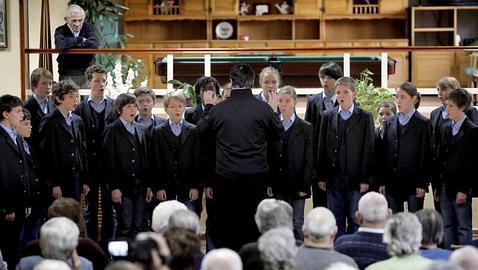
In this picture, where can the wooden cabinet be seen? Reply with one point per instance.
(444, 26)
(311, 23)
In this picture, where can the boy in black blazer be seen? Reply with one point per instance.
(345, 156)
(63, 145)
(146, 101)
(175, 155)
(96, 112)
(384, 111)
(329, 73)
(13, 193)
(295, 155)
(125, 155)
(202, 85)
(456, 157)
(39, 103)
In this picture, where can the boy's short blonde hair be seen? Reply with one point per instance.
(448, 82)
(177, 95)
(288, 90)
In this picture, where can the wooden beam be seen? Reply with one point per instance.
(23, 73)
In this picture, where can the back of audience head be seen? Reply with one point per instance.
(150, 251)
(444, 265)
(162, 213)
(242, 76)
(340, 266)
(466, 257)
(272, 213)
(432, 226)
(185, 248)
(51, 265)
(65, 207)
(221, 259)
(58, 238)
(372, 210)
(122, 265)
(278, 249)
(185, 219)
(319, 225)
(403, 234)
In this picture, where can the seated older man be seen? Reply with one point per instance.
(270, 214)
(366, 245)
(58, 241)
(403, 235)
(318, 251)
(278, 249)
(466, 257)
(221, 259)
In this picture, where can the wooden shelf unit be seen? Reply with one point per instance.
(441, 26)
(312, 23)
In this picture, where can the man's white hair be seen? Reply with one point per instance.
(58, 238)
(221, 259)
(48, 264)
(278, 249)
(162, 213)
(185, 219)
(74, 9)
(319, 222)
(373, 207)
(466, 257)
(403, 234)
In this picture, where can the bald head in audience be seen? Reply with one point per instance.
(272, 213)
(372, 211)
(221, 259)
(466, 257)
(163, 212)
(320, 227)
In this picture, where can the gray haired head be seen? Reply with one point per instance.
(58, 238)
(278, 249)
(221, 259)
(373, 207)
(272, 213)
(185, 219)
(319, 223)
(403, 234)
(466, 257)
(432, 226)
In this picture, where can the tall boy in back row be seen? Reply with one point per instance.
(96, 112)
(346, 145)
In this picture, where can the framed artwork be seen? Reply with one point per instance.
(262, 8)
(3, 24)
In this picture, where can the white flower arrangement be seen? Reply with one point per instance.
(115, 84)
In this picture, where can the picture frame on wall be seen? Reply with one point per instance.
(3, 24)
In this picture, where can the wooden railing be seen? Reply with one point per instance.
(365, 9)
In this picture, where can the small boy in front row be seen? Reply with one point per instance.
(125, 156)
(456, 151)
(175, 155)
(295, 158)
(345, 157)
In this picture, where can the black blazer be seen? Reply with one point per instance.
(156, 122)
(313, 114)
(299, 157)
(64, 40)
(37, 115)
(13, 193)
(406, 156)
(457, 161)
(177, 174)
(35, 184)
(193, 114)
(119, 151)
(63, 152)
(377, 160)
(359, 144)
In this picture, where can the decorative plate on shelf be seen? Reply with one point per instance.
(224, 30)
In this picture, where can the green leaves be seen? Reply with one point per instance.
(186, 88)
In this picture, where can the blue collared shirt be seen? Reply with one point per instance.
(11, 132)
(346, 114)
(404, 118)
(455, 126)
(26, 147)
(143, 120)
(263, 97)
(444, 113)
(176, 127)
(329, 102)
(42, 102)
(68, 118)
(129, 126)
(97, 106)
(287, 124)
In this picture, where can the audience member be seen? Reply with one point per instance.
(150, 251)
(75, 33)
(270, 214)
(432, 235)
(185, 219)
(122, 265)
(58, 241)
(340, 266)
(466, 257)
(162, 212)
(278, 249)
(366, 245)
(319, 232)
(221, 259)
(185, 249)
(48, 264)
(403, 234)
